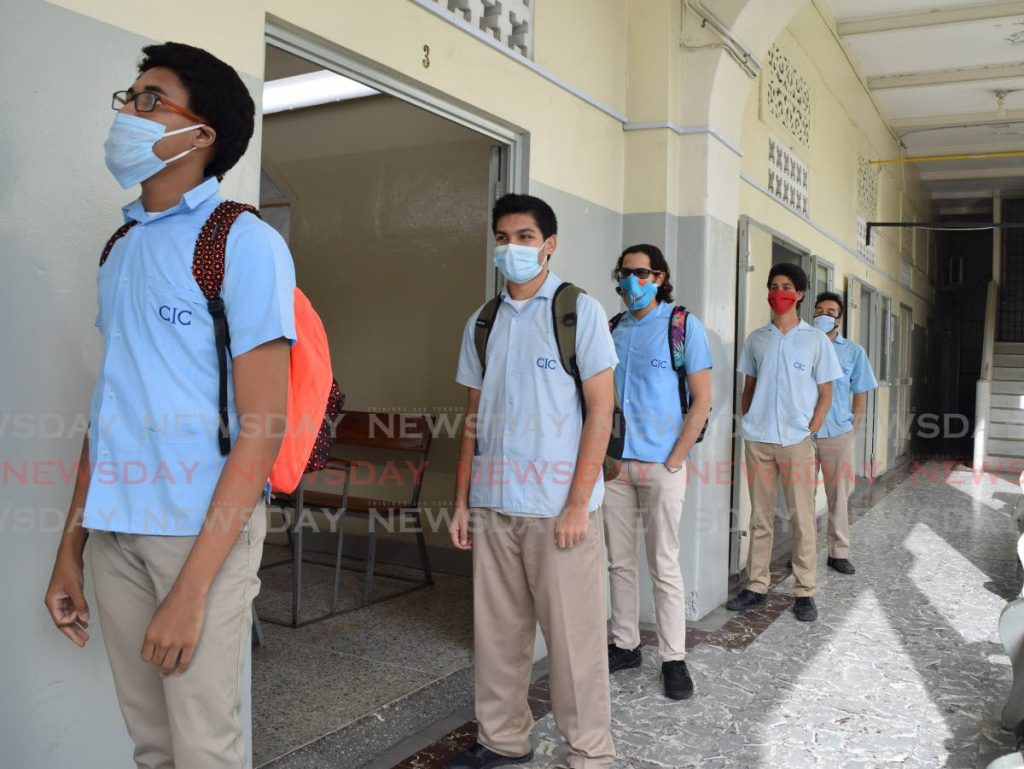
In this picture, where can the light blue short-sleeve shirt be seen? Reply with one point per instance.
(530, 418)
(153, 449)
(648, 385)
(857, 378)
(788, 368)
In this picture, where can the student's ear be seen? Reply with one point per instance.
(206, 137)
(552, 245)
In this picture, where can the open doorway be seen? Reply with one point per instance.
(385, 206)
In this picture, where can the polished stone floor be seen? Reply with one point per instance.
(336, 692)
(903, 668)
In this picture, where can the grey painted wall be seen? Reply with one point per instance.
(58, 204)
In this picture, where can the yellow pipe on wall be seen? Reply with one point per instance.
(965, 156)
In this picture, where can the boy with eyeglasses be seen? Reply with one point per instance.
(174, 559)
(651, 484)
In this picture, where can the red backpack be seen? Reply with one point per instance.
(314, 399)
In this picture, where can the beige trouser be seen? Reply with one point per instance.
(646, 492)
(192, 721)
(797, 468)
(521, 577)
(835, 458)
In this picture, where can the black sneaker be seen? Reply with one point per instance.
(622, 659)
(842, 565)
(678, 684)
(746, 599)
(479, 757)
(805, 610)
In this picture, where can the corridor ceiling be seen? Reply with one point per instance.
(936, 69)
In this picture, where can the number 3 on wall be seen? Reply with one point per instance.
(426, 56)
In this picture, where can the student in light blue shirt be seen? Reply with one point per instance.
(662, 425)
(837, 437)
(175, 530)
(789, 368)
(527, 500)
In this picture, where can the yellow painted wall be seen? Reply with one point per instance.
(570, 140)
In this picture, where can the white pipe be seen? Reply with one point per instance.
(743, 55)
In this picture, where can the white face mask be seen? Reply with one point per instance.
(129, 148)
(825, 322)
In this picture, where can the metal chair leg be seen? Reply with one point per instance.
(421, 540)
(297, 558)
(371, 558)
(341, 542)
(257, 629)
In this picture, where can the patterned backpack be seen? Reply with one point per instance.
(677, 351)
(313, 394)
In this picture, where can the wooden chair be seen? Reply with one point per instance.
(406, 435)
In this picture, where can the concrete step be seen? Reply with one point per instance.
(1006, 448)
(1007, 431)
(1009, 348)
(1007, 387)
(998, 463)
(1012, 402)
(1007, 374)
(1012, 361)
(1013, 416)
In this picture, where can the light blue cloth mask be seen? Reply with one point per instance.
(129, 148)
(637, 295)
(825, 322)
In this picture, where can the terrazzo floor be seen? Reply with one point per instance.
(326, 677)
(903, 668)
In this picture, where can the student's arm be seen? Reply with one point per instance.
(699, 383)
(860, 401)
(599, 395)
(261, 391)
(65, 597)
(821, 407)
(749, 384)
(461, 536)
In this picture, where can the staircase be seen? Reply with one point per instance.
(1006, 415)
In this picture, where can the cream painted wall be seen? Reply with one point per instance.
(389, 228)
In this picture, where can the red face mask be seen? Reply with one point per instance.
(782, 301)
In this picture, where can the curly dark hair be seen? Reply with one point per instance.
(215, 92)
(832, 296)
(658, 262)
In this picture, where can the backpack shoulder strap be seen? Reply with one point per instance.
(563, 322)
(208, 270)
(482, 332)
(677, 337)
(120, 233)
(613, 322)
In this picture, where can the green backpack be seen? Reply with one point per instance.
(563, 321)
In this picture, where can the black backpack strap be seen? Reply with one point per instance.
(613, 322)
(208, 270)
(482, 332)
(121, 232)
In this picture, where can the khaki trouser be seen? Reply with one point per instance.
(797, 468)
(649, 493)
(521, 577)
(835, 458)
(192, 721)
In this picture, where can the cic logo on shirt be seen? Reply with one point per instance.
(799, 366)
(547, 363)
(175, 315)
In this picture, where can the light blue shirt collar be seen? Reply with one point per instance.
(191, 200)
(546, 291)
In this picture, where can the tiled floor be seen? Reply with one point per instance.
(902, 669)
(325, 677)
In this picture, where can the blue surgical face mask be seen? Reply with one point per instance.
(518, 263)
(637, 295)
(825, 322)
(129, 148)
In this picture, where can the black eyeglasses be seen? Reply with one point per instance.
(146, 101)
(642, 273)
